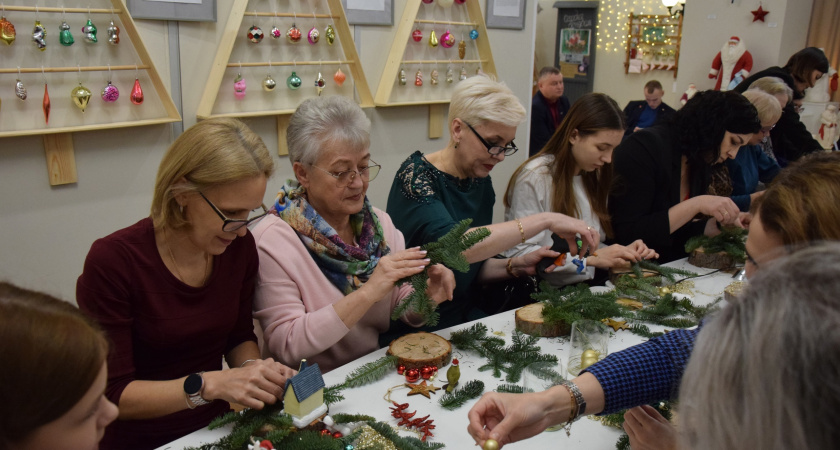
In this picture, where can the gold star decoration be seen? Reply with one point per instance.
(422, 389)
(630, 303)
(616, 324)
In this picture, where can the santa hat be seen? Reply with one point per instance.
(735, 39)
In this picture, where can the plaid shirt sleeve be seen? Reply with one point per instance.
(645, 373)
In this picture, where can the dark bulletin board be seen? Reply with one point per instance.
(574, 54)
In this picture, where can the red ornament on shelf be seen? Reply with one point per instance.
(401, 369)
(412, 375)
(759, 14)
(417, 35)
(136, 93)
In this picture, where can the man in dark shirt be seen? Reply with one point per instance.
(644, 113)
(548, 108)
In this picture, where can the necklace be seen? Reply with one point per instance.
(175, 262)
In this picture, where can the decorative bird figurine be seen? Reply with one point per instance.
(452, 375)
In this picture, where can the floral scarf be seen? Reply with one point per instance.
(346, 266)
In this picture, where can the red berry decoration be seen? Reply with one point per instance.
(401, 369)
(337, 435)
(417, 35)
(427, 372)
(412, 375)
(325, 432)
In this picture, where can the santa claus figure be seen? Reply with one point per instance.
(828, 134)
(731, 65)
(688, 94)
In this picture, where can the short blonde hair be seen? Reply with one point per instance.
(768, 107)
(773, 86)
(210, 153)
(478, 100)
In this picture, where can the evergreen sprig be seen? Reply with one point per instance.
(510, 360)
(403, 442)
(616, 420)
(366, 374)
(457, 398)
(730, 241)
(510, 388)
(578, 302)
(246, 424)
(668, 272)
(448, 250)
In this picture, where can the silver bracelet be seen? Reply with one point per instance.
(581, 403)
(246, 362)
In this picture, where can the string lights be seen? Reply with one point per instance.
(613, 16)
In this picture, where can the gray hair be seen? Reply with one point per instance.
(322, 120)
(763, 374)
(773, 86)
(478, 100)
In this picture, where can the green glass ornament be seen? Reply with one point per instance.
(294, 81)
(65, 37)
(90, 32)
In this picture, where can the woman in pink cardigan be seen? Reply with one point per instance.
(328, 259)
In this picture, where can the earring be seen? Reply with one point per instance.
(456, 144)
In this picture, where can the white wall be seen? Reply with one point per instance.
(45, 232)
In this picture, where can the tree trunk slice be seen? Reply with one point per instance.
(615, 273)
(718, 260)
(420, 349)
(529, 320)
(733, 291)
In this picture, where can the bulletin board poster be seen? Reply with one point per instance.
(574, 41)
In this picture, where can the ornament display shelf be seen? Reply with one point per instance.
(278, 58)
(62, 68)
(669, 42)
(452, 425)
(411, 56)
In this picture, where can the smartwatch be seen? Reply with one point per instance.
(193, 387)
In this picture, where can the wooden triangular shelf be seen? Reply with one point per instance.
(63, 68)
(412, 56)
(278, 58)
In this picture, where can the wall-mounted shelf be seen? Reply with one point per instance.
(653, 43)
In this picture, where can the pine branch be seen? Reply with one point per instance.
(665, 271)
(400, 442)
(510, 388)
(350, 418)
(308, 439)
(730, 241)
(449, 251)
(366, 374)
(457, 398)
(333, 394)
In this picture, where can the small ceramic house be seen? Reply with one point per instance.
(304, 396)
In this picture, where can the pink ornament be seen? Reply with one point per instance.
(339, 78)
(417, 35)
(275, 32)
(313, 36)
(136, 93)
(110, 93)
(447, 40)
(239, 87)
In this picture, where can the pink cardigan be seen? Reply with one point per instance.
(293, 301)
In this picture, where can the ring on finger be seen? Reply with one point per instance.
(589, 228)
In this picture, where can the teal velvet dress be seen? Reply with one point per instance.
(425, 204)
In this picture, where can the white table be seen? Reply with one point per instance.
(451, 426)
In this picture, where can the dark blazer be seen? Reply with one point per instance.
(633, 112)
(791, 140)
(647, 185)
(542, 125)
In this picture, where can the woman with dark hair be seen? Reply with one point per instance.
(54, 374)
(790, 138)
(572, 175)
(664, 173)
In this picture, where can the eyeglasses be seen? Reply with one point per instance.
(346, 177)
(230, 225)
(495, 149)
(750, 259)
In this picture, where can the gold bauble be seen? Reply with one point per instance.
(433, 40)
(588, 358)
(81, 96)
(664, 290)
(491, 444)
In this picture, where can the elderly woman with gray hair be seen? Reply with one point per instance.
(328, 259)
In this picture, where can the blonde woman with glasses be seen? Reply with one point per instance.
(328, 258)
(173, 292)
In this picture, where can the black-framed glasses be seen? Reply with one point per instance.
(750, 259)
(346, 177)
(230, 225)
(495, 149)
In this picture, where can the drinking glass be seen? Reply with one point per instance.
(588, 344)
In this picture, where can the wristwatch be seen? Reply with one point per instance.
(193, 388)
(581, 403)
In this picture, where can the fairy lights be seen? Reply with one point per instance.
(613, 16)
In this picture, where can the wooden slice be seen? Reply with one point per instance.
(420, 349)
(615, 273)
(718, 260)
(733, 291)
(529, 320)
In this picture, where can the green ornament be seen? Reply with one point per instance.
(65, 37)
(90, 31)
(294, 81)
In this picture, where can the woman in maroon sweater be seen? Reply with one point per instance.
(173, 292)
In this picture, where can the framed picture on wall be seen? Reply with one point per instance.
(185, 10)
(506, 14)
(369, 12)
